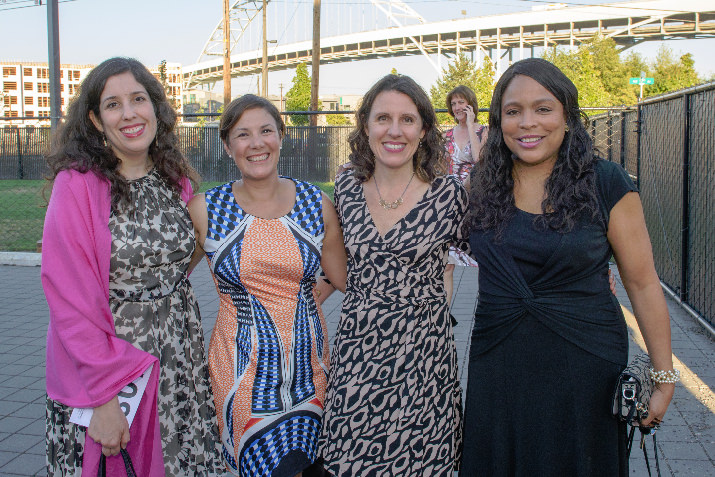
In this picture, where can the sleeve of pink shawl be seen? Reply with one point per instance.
(87, 365)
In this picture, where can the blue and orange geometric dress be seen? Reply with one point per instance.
(268, 356)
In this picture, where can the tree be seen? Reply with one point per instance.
(670, 73)
(337, 120)
(298, 96)
(164, 83)
(393, 71)
(579, 67)
(463, 71)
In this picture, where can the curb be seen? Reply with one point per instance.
(20, 259)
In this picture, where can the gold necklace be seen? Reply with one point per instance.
(395, 203)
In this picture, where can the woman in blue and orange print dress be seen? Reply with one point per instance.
(265, 237)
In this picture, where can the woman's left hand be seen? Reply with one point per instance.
(659, 401)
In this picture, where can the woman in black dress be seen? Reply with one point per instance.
(549, 338)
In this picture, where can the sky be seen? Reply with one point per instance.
(176, 30)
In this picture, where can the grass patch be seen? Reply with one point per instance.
(22, 214)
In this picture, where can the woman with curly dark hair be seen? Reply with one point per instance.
(117, 245)
(549, 338)
(393, 402)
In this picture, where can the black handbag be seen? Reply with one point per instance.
(102, 472)
(633, 391)
(630, 403)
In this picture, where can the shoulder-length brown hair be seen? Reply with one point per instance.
(428, 160)
(79, 145)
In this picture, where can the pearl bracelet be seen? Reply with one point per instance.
(671, 376)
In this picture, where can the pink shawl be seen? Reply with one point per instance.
(87, 365)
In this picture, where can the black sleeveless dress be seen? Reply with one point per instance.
(549, 341)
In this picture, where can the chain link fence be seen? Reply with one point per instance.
(667, 144)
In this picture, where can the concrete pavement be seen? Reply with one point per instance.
(686, 441)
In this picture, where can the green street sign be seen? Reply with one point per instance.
(641, 81)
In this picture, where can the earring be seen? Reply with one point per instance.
(566, 129)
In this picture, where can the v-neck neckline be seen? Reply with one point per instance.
(401, 219)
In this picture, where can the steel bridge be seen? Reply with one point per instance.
(501, 37)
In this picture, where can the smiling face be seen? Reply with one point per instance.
(532, 121)
(126, 117)
(254, 144)
(394, 129)
(458, 105)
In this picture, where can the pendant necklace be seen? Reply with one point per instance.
(395, 203)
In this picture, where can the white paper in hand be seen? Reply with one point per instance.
(129, 398)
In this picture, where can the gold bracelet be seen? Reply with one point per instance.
(670, 376)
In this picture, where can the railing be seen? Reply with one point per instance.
(667, 144)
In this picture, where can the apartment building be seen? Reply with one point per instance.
(25, 87)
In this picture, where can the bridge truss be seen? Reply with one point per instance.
(496, 36)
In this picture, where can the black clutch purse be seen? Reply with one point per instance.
(633, 391)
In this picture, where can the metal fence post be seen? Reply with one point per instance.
(639, 132)
(20, 171)
(623, 139)
(685, 230)
(609, 134)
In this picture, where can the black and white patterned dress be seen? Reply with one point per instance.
(394, 401)
(155, 309)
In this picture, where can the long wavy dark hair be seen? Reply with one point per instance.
(428, 160)
(570, 189)
(80, 146)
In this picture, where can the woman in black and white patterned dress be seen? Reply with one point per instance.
(393, 403)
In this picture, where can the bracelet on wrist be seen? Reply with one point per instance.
(670, 376)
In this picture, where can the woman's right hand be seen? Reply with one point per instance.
(109, 427)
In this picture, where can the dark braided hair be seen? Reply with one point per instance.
(80, 146)
(570, 189)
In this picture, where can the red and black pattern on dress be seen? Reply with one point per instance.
(394, 401)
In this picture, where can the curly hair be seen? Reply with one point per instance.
(80, 146)
(570, 188)
(235, 109)
(466, 93)
(428, 160)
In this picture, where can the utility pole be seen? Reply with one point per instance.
(53, 46)
(316, 63)
(264, 65)
(226, 54)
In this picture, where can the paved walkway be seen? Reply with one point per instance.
(686, 441)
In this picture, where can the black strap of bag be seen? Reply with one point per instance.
(102, 472)
(644, 432)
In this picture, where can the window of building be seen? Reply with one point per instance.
(10, 85)
(7, 114)
(62, 101)
(75, 73)
(13, 99)
(43, 102)
(62, 87)
(8, 71)
(27, 71)
(43, 73)
(43, 87)
(13, 114)
(27, 86)
(30, 114)
(6, 100)
(29, 100)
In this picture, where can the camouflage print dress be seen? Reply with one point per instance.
(154, 308)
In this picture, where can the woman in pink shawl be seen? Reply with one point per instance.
(117, 246)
